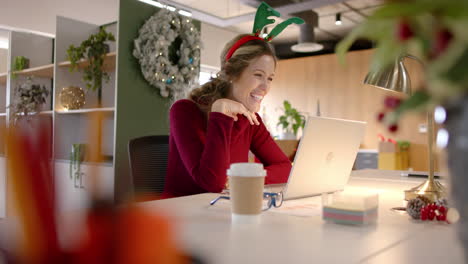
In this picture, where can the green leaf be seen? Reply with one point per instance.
(287, 105)
(418, 100)
(457, 72)
(405, 9)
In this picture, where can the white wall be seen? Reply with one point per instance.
(214, 39)
(3, 60)
(40, 15)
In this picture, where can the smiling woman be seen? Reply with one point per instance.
(219, 124)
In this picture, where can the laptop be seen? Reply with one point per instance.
(324, 158)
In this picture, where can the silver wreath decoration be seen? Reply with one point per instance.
(151, 48)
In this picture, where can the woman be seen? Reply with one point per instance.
(219, 124)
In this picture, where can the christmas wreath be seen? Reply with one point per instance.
(168, 50)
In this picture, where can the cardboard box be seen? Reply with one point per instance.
(392, 157)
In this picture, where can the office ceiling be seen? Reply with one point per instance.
(352, 13)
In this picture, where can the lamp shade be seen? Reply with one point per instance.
(393, 77)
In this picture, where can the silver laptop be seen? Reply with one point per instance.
(325, 157)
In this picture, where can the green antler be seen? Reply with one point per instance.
(281, 26)
(261, 17)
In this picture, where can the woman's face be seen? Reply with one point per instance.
(254, 83)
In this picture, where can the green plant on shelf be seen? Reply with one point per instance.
(291, 120)
(28, 99)
(94, 49)
(20, 63)
(76, 157)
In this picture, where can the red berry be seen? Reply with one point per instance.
(380, 116)
(392, 102)
(441, 217)
(442, 209)
(393, 128)
(442, 41)
(431, 215)
(423, 215)
(404, 31)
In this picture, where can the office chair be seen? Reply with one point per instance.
(148, 164)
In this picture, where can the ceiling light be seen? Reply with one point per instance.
(171, 8)
(307, 47)
(338, 21)
(153, 3)
(185, 13)
(307, 41)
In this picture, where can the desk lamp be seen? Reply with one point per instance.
(396, 78)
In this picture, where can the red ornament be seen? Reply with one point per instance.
(441, 217)
(430, 215)
(442, 209)
(423, 214)
(442, 40)
(380, 116)
(404, 31)
(393, 128)
(392, 102)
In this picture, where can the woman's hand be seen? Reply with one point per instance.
(232, 108)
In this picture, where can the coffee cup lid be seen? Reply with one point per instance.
(246, 170)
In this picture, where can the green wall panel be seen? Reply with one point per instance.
(140, 110)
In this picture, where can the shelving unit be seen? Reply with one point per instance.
(109, 62)
(44, 71)
(74, 126)
(3, 122)
(3, 78)
(49, 67)
(86, 111)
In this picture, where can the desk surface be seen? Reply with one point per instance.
(280, 238)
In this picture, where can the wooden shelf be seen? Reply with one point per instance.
(87, 110)
(48, 112)
(3, 77)
(109, 62)
(44, 71)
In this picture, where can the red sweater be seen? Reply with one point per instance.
(200, 150)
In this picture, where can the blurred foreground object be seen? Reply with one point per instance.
(124, 234)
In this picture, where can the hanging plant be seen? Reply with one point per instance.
(94, 49)
(168, 50)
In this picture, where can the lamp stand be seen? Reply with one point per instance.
(430, 188)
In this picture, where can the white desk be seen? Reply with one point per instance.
(208, 232)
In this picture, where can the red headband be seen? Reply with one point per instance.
(239, 43)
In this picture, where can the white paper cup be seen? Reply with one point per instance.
(246, 182)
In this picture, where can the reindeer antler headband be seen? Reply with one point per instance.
(261, 20)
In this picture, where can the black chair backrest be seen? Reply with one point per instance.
(148, 163)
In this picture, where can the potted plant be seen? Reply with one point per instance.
(290, 121)
(28, 99)
(20, 63)
(76, 157)
(94, 50)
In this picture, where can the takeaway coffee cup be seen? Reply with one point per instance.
(246, 182)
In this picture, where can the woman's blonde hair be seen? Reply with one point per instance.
(232, 69)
